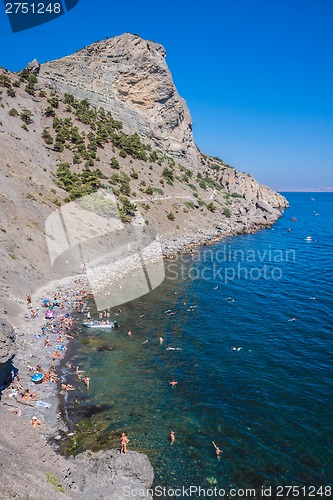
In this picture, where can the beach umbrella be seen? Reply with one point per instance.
(37, 377)
(49, 314)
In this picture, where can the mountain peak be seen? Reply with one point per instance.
(129, 76)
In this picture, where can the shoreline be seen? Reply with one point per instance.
(56, 423)
(171, 245)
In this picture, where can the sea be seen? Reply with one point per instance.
(249, 322)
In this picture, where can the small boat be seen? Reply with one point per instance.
(308, 238)
(37, 377)
(112, 324)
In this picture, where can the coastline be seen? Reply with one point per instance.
(56, 424)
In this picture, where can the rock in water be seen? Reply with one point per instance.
(129, 76)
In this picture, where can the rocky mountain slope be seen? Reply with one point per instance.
(132, 80)
(109, 116)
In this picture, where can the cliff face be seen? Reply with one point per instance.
(129, 76)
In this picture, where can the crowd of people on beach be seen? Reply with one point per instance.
(56, 317)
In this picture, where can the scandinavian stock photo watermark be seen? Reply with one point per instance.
(223, 264)
(88, 236)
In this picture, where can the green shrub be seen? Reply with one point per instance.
(134, 174)
(47, 136)
(153, 156)
(11, 92)
(122, 153)
(53, 480)
(171, 216)
(189, 204)
(54, 102)
(211, 207)
(114, 163)
(168, 174)
(69, 99)
(49, 111)
(26, 116)
(13, 112)
(227, 212)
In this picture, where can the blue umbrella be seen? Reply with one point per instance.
(37, 377)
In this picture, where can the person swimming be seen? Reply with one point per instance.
(172, 437)
(173, 383)
(217, 451)
(86, 381)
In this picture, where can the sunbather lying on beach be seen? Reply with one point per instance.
(29, 395)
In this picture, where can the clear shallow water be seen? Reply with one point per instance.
(268, 406)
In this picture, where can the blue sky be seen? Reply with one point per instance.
(257, 75)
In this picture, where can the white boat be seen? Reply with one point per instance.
(112, 324)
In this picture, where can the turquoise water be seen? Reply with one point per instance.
(269, 405)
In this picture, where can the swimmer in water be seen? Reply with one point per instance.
(161, 340)
(216, 287)
(86, 380)
(292, 319)
(233, 348)
(173, 383)
(129, 333)
(172, 437)
(145, 341)
(217, 451)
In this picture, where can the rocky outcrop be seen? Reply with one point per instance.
(116, 475)
(254, 193)
(7, 340)
(46, 474)
(130, 77)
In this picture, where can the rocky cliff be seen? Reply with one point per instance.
(130, 77)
